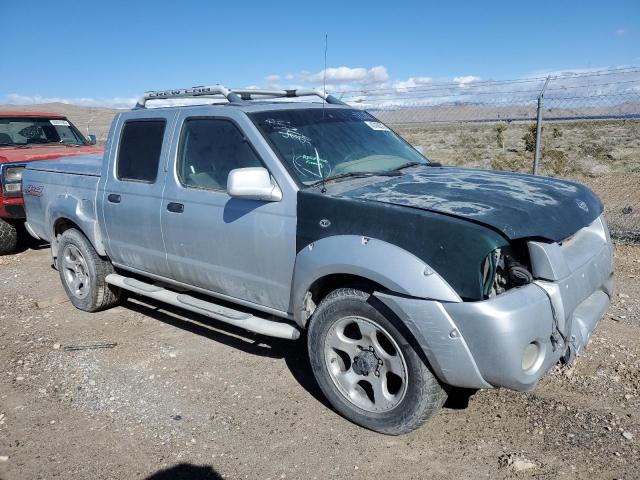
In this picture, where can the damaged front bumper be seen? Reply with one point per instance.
(512, 340)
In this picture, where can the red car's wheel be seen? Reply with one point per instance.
(8, 237)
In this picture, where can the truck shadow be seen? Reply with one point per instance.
(27, 242)
(186, 471)
(294, 353)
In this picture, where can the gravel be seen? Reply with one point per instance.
(186, 397)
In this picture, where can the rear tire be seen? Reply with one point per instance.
(367, 368)
(8, 237)
(83, 273)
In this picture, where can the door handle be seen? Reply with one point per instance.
(175, 207)
(113, 198)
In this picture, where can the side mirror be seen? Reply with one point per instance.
(92, 139)
(253, 183)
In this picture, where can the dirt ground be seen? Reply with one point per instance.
(182, 396)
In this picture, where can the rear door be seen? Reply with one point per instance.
(132, 197)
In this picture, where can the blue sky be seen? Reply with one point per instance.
(109, 52)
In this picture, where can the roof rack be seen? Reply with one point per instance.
(249, 93)
(236, 96)
(212, 91)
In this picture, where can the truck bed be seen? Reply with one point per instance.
(53, 187)
(90, 164)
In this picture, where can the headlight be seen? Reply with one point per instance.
(13, 174)
(488, 272)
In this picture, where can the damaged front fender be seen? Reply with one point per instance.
(383, 263)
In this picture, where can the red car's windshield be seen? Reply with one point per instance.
(38, 131)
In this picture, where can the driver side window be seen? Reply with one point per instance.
(209, 149)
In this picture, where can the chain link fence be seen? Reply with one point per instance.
(580, 126)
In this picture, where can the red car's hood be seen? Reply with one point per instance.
(42, 152)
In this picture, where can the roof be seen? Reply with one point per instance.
(22, 113)
(235, 96)
(226, 109)
(266, 106)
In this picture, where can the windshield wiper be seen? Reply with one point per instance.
(413, 164)
(407, 165)
(58, 142)
(384, 173)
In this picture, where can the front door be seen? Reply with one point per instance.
(239, 248)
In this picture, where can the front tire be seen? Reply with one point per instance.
(83, 273)
(369, 371)
(8, 237)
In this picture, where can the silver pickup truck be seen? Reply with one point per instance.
(288, 217)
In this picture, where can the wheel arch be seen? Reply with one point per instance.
(63, 223)
(345, 260)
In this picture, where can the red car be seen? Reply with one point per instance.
(25, 137)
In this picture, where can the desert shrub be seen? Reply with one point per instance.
(467, 142)
(510, 163)
(590, 132)
(500, 129)
(594, 150)
(558, 162)
(530, 138)
(557, 133)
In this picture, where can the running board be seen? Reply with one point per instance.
(224, 314)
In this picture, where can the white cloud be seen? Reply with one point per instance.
(465, 80)
(289, 76)
(378, 74)
(621, 32)
(114, 102)
(272, 78)
(411, 82)
(336, 75)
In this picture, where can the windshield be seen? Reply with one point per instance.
(317, 143)
(38, 131)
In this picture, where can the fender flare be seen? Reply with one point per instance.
(79, 211)
(396, 269)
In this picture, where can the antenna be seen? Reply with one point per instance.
(324, 101)
(324, 72)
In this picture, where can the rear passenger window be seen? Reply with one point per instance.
(139, 153)
(209, 150)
